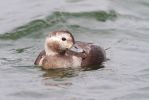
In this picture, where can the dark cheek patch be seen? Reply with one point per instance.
(54, 46)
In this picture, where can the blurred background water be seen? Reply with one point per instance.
(122, 25)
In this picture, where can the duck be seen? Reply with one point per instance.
(62, 51)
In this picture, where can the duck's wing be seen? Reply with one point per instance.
(95, 55)
(80, 49)
(42, 54)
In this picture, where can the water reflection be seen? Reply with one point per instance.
(59, 77)
(62, 78)
(67, 72)
(61, 73)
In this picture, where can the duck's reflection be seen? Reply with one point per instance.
(59, 77)
(61, 73)
(62, 77)
(67, 72)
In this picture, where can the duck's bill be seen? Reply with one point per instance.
(75, 48)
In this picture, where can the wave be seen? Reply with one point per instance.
(54, 19)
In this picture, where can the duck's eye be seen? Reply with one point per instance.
(63, 39)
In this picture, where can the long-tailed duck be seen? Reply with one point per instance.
(58, 52)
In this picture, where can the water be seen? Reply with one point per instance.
(122, 25)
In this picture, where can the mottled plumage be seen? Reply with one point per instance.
(58, 53)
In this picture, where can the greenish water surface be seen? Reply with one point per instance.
(122, 25)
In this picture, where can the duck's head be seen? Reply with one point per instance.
(58, 42)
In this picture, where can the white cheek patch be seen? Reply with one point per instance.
(64, 44)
